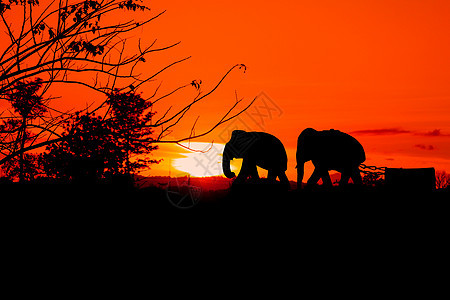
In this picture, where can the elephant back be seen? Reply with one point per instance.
(270, 152)
(331, 148)
(265, 149)
(342, 148)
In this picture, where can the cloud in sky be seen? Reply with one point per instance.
(425, 147)
(434, 133)
(396, 130)
(382, 131)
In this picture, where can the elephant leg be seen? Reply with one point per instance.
(241, 177)
(300, 174)
(284, 180)
(326, 179)
(246, 169)
(344, 179)
(254, 173)
(314, 177)
(272, 176)
(356, 176)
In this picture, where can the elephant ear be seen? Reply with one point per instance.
(242, 140)
(237, 135)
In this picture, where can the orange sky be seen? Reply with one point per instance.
(379, 69)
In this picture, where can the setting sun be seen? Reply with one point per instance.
(204, 163)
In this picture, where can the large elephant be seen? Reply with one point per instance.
(329, 150)
(256, 149)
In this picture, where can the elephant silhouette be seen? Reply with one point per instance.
(329, 150)
(256, 149)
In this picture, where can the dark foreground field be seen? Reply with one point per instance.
(263, 202)
(374, 234)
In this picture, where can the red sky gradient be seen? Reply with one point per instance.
(379, 70)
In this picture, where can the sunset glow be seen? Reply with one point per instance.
(378, 70)
(206, 162)
(201, 164)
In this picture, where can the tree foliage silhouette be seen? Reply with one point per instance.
(128, 118)
(88, 139)
(110, 143)
(26, 102)
(26, 167)
(83, 43)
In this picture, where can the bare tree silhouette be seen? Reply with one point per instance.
(69, 42)
(442, 180)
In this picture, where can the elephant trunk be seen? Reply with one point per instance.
(227, 156)
(300, 173)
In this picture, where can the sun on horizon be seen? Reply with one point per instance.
(202, 160)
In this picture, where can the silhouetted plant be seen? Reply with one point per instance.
(26, 168)
(129, 116)
(113, 140)
(87, 138)
(442, 180)
(68, 42)
(26, 102)
(373, 179)
(24, 99)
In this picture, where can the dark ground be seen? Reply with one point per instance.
(259, 201)
(355, 239)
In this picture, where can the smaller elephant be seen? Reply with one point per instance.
(256, 149)
(329, 150)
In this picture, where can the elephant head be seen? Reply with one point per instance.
(306, 145)
(238, 145)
